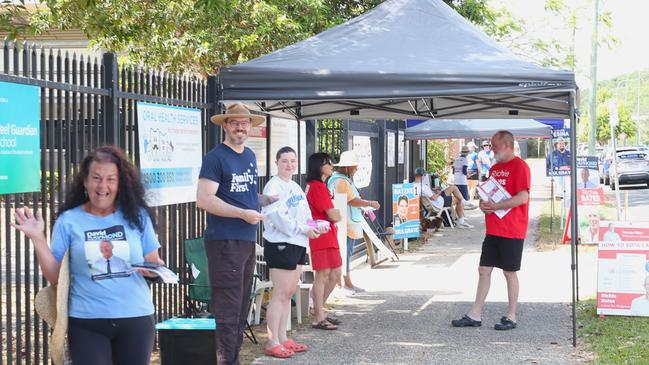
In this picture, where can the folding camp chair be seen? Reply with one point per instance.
(429, 211)
(384, 235)
(200, 292)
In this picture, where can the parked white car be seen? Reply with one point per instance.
(632, 169)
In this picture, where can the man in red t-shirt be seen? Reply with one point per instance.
(503, 243)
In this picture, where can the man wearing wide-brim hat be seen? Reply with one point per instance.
(341, 182)
(560, 159)
(228, 192)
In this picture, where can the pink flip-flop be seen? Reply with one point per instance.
(296, 347)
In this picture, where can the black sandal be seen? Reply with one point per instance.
(466, 321)
(324, 325)
(333, 320)
(505, 324)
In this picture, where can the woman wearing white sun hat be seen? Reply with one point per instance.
(341, 182)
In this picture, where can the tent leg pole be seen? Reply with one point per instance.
(551, 203)
(574, 227)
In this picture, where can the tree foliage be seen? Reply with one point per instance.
(626, 127)
(565, 16)
(201, 36)
(438, 159)
(14, 18)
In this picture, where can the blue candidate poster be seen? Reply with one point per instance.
(405, 206)
(20, 157)
(557, 161)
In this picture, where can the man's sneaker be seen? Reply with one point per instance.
(468, 205)
(464, 225)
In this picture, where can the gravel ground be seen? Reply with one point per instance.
(404, 318)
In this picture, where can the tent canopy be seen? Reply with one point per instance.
(477, 128)
(403, 59)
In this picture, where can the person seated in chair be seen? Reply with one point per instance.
(439, 199)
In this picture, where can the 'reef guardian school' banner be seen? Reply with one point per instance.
(20, 157)
(405, 206)
(170, 152)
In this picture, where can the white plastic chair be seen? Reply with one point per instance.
(433, 211)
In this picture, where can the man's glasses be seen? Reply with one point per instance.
(239, 124)
(327, 163)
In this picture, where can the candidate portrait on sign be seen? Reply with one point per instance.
(402, 211)
(591, 233)
(586, 179)
(108, 263)
(640, 305)
(611, 235)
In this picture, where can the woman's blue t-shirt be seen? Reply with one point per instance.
(102, 249)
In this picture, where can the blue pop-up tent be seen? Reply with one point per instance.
(477, 128)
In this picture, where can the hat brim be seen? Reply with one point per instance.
(60, 331)
(345, 164)
(255, 120)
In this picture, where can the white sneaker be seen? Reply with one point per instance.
(464, 225)
(468, 205)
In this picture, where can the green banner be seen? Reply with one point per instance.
(20, 157)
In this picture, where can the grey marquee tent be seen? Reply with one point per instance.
(403, 59)
(477, 128)
(406, 59)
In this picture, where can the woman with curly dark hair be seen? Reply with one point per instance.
(106, 226)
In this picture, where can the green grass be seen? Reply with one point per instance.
(550, 239)
(612, 339)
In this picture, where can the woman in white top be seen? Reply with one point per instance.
(286, 236)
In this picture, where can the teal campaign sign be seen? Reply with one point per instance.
(20, 157)
(405, 205)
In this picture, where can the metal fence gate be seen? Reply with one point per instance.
(85, 103)
(88, 102)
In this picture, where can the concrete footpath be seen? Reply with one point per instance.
(404, 318)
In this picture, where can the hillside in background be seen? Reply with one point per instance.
(626, 88)
(631, 89)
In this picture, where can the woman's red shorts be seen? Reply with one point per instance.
(328, 258)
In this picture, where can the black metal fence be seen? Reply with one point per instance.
(87, 102)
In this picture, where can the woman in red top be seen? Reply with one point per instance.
(325, 254)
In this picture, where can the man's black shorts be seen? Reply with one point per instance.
(448, 200)
(501, 252)
(281, 255)
(472, 175)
